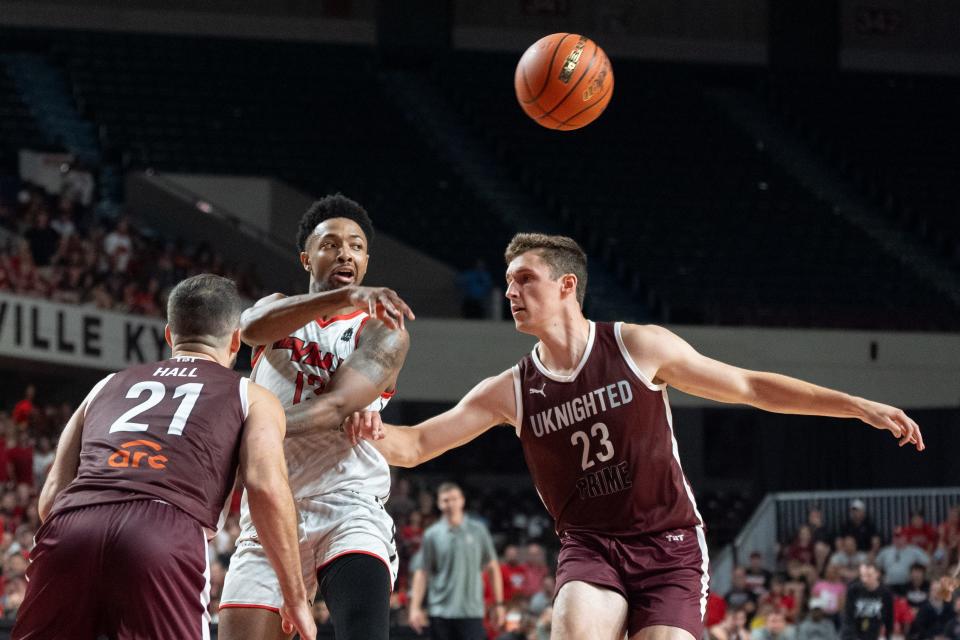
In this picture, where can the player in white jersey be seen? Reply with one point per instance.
(326, 354)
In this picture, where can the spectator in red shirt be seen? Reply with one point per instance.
(534, 569)
(780, 600)
(6, 468)
(801, 549)
(23, 410)
(512, 572)
(411, 534)
(20, 455)
(920, 532)
(716, 610)
(949, 535)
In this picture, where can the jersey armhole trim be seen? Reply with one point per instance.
(356, 335)
(245, 396)
(93, 393)
(630, 363)
(255, 356)
(518, 398)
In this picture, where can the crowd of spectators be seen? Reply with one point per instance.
(846, 582)
(54, 247)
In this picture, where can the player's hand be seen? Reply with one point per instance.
(946, 586)
(298, 617)
(417, 619)
(363, 425)
(885, 417)
(498, 616)
(381, 303)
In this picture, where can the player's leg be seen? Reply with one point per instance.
(63, 576)
(251, 598)
(583, 610)
(441, 629)
(667, 580)
(158, 573)
(471, 629)
(356, 588)
(248, 623)
(591, 601)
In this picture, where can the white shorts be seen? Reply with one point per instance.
(331, 525)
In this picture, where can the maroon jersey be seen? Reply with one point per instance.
(168, 430)
(599, 443)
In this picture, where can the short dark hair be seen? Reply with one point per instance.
(448, 486)
(204, 308)
(561, 253)
(333, 206)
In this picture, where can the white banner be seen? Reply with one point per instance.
(36, 329)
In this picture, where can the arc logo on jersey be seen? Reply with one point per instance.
(308, 353)
(127, 456)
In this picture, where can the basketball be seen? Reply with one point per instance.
(564, 81)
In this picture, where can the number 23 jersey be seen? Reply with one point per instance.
(599, 442)
(297, 369)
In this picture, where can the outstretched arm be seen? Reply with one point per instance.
(666, 357)
(490, 403)
(368, 372)
(276, 316)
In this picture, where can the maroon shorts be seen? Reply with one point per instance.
(663, 576)
(127, 570)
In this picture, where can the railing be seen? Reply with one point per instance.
(779, 516)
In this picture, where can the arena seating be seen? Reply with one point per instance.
(690, 212)
(689, 209)
(897, 137)
(312, 115)
(17, 127)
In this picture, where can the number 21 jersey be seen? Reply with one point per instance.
(599, 443)
(169, 431)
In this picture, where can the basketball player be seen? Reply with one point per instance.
(347, 546)
(138, 486)
(589, 404)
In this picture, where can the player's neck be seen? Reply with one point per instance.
(316, 287)
(198, 352)
(454, 521)
(563, 342)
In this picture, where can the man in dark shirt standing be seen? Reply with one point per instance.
(869, 607)
(860, 526)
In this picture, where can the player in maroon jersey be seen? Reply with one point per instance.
(141, 477)
(590, 407)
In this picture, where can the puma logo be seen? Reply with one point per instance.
(540, 390)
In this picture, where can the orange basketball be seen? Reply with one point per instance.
(564, 81)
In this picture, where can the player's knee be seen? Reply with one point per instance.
(567, 627)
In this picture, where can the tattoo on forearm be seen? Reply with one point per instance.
(380, 355)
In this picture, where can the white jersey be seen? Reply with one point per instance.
(297, 369)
